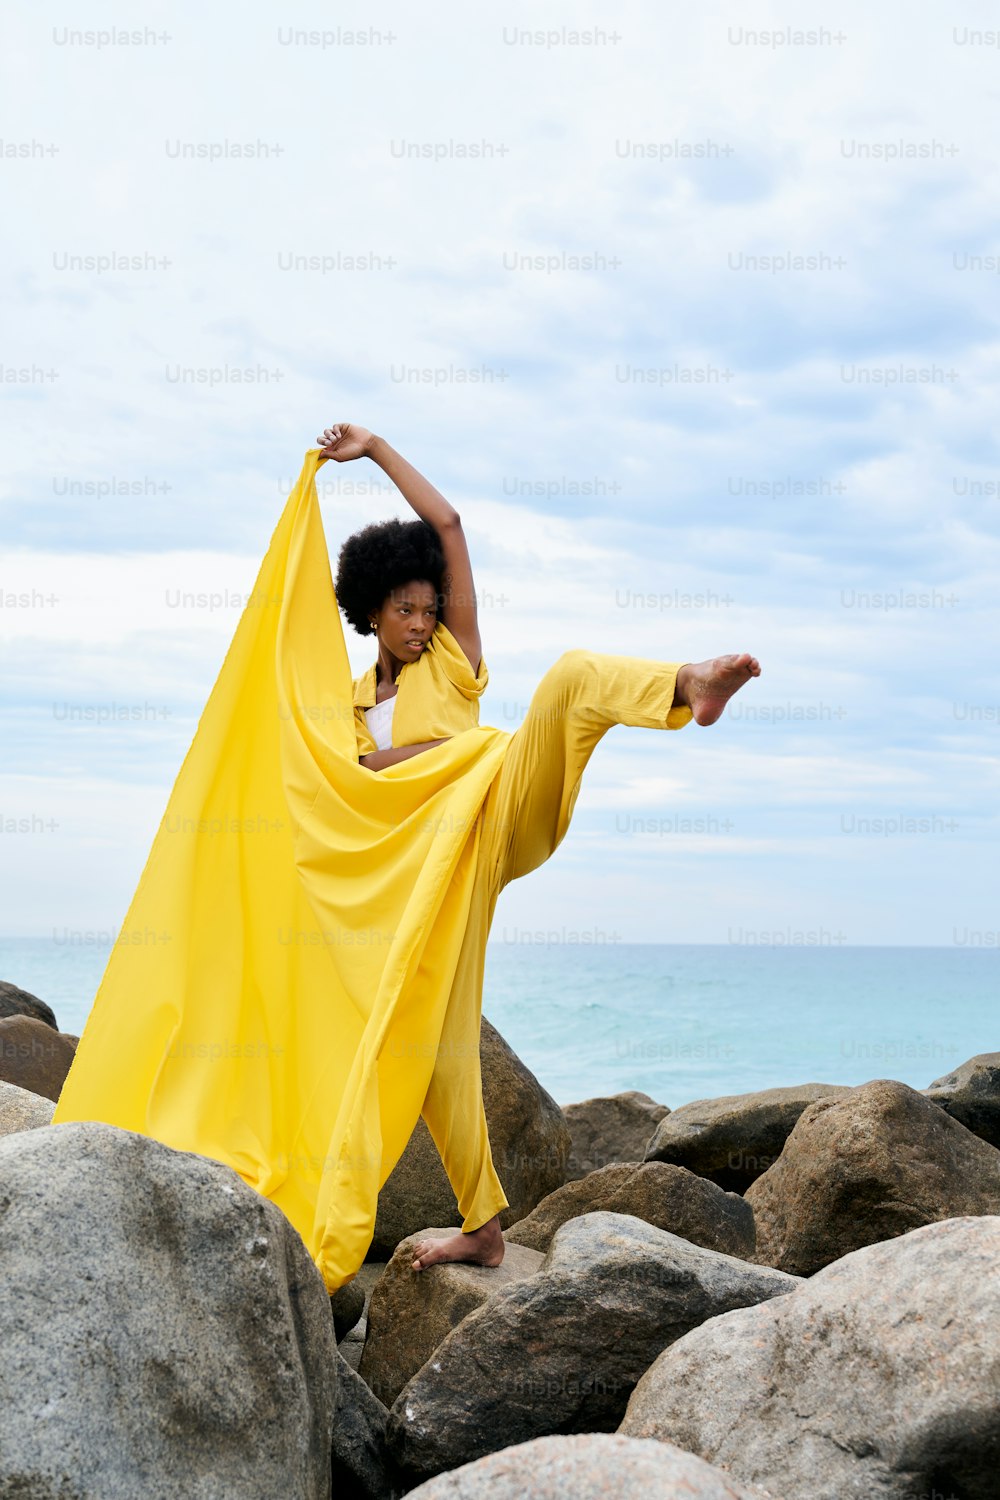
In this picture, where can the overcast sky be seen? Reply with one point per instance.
(693, 316)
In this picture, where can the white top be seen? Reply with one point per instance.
(379, 720)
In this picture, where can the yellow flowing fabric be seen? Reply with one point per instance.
(297, 926)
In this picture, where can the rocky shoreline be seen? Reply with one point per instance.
(792, 1294)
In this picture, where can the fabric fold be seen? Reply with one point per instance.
(304, 919)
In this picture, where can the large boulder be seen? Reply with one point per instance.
(971, 1095)
(34, 1056)
(733, 1139)
(879, 1376)
(411, 1312)
(561, 1351)
(866, 1166)
(614, 1128)
(17, 1002)
(20, 1109)
(165, 1331)
(528, 1137)
(669, 1197)
(589, 1466)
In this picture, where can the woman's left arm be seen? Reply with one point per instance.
(458, 594)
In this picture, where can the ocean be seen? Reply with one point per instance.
(680, 1022)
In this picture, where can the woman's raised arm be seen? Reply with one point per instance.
(346, 441)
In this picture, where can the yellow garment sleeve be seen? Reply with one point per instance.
(365, 738)
(456, 665)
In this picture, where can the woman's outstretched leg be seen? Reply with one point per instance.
(526, 814)
(581, 697)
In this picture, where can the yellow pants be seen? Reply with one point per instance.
(524, 818)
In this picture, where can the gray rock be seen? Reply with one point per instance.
(353, 1342)
(866, 1166)
(590, 1466)
(562, 1350)
(411, 1312)
(368, 1277)
(165, 1331)
(669, 1197)
(614, 1128)
(20, 1109)
(361, 1468)
(17, 1002)
(733, 1139)
(34, 1056)
(971, 1095)
(347, 1305)
(528, 1137)
(879, 1376)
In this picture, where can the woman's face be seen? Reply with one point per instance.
(406, 620)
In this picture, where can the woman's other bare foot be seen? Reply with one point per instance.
(706, 687)
(482, 1247)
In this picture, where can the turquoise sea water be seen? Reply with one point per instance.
(681, 1022)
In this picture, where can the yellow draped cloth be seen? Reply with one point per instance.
(278, 988)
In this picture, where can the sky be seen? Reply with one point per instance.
(692, 314)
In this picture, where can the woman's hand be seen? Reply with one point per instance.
(344, 441)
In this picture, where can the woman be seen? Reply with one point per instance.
(411, 586)
(299, 975)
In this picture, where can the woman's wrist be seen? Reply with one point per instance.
(377, 448)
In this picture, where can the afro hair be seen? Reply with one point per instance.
(380, 558)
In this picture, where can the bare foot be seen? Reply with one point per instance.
(483, 1247)
(707, 686)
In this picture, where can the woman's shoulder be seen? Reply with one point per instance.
(445, 653)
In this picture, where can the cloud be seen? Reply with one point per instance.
(691, 443)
